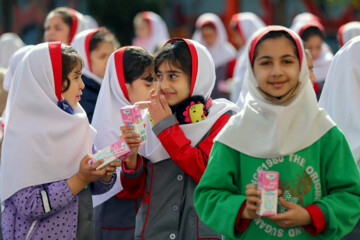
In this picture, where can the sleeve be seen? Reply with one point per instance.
(340, 186)
(192, 160)
(134, 182)
(100, 187)
(218, 195)
(37, 202)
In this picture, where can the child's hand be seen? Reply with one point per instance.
(252, 194)
(110, 169)
(133, 141)
(294, 216)
(158, 108)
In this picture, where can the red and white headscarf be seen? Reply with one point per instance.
(348, 31)
(42, 142)
(202, 83)
(78, 24)
(221, 51)
(81, 43)
(341, 93)
(158, 32)
(264, 129)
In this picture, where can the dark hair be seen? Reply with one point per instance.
(64, 13)
(177, 53)
(310, 32)
(70, 59)
(103, 35)
(208, 25)
(135, 62)
(273, 35)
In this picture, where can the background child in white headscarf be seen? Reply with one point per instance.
(347, 31)
(9, 44)
(280, 129)
(95, 46)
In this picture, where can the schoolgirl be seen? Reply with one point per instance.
(280, 129)
(43, 190)
(347, 31)
(170, 164)
(211, 33)
(127, 80)
(95, 46)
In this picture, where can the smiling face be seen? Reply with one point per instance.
(173, 83)
(56, 29)
(99, 57)
(73, 94)
(276, 66)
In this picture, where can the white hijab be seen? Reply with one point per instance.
(90, 22)
(42, 142)
(81, 44)
(9, 44)
(202, 83)
(323, 61)
(348, 31)
(264, 129)
(107, 118)
(158, 32)
(341, 94)
(247, 24)
(13, 63)
(221, 51)
(78, 24)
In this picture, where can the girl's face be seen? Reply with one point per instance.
(237, 39)
(73, 94)
(314, 44)
(99, 57)
(173, 83)
(142, 30)
(209, 35)
(311, 67)
(276, 66)
(139, 89)
(56, 30)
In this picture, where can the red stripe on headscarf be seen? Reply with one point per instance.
(56, 62)
(208, 22)
(146, 15)
(340, 35)
(274, 29)
(236, 19)
(311, 24)
(119, 66)
(74, 25)
(87, 46)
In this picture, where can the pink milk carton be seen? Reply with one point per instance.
(268, 182)
(131, 116)
(115, 152)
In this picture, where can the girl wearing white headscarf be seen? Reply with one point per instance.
(175, 155)
(210, 32)
(9, 44)
(127, 80)
(244, 25)
(348, 31)
(43, 189)
(150, 31)
(95, 46)
(280, 129)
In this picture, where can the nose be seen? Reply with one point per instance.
(82, 85)
(163, 84)
(276, 70)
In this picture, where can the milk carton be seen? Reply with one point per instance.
(115, 152)
(268, 182)
(131, 116)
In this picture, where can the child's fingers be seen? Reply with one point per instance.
(250, 186)
(252, 192)
(126, 128)
(96, 164)
(115, 164)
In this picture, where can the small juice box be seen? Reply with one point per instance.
(268, 182)
(115, 152)
(131, 116)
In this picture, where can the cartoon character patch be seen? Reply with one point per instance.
(195, 112)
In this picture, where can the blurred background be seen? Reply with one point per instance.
(26, 17)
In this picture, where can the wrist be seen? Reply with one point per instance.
(132, 163)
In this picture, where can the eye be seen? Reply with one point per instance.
(287, 61)
(264, 63)
(158, 76)
(172, 76)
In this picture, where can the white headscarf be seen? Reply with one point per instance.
(158, 32)
(341, 94)
(221, 51)
(13, 63)
(348, 31)
(264, 129)
(323, 61)
(107, 118)
(90, 22)
(9, 44)
(247, 24)
(78, 24)
(202, 83)
(81, 43)
(42, 143)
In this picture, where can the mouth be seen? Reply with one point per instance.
(78, 97)
(168, 94)
(277, 84)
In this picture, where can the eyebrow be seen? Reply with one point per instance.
(148, 78)
(170, 71)
(283, 56)
(78, 72)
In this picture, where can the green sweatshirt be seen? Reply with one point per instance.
(324, 174)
